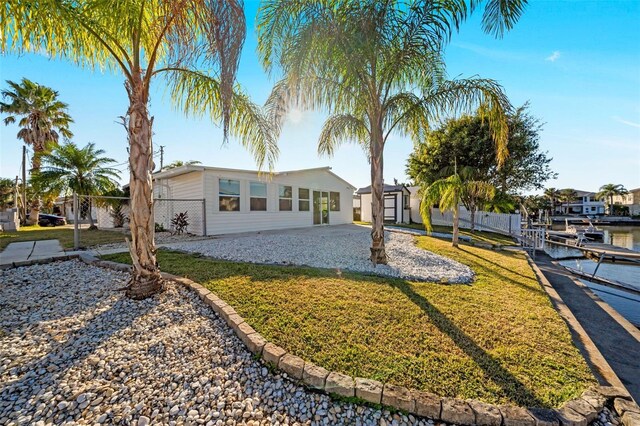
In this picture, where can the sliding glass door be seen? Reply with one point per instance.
(320, 208)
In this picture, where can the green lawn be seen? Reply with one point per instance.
(88, 238)
(492, 238)
(498, 340)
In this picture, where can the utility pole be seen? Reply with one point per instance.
(161, 156)
(16, 194)
(24, 184)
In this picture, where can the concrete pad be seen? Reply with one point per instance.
(30, 250)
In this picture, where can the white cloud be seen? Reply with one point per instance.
(627, 122)
(553, 57)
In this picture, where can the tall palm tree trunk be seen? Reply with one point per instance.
(146, 279)
(456, 225)
(378, 253)
(610, 204)
(34, 210)
(92, 223)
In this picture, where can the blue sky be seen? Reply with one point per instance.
(576, 62)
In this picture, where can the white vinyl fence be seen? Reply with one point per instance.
(533, 239)
(504, 223)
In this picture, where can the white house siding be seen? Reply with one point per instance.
(402, 215)
(414, 203)
(246, 221)
(177, 190)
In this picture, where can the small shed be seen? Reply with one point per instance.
(396, 199)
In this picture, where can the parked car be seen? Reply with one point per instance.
(45, 219)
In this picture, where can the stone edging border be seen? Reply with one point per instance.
(577, 412)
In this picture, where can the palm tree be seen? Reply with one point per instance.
(448, 193)
(7, 191)
(608, 191)
(68, 168)
(476, 194)
(552, 194)
(194, 44)
(42, 119)
(567, 196)
(378, 68)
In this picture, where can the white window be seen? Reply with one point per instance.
(303, 199)
(229, 195)
(257, 197)
(334, 201)
(405, 202)
(285, 197)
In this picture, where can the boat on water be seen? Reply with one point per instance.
(586, 230)
(577, 233)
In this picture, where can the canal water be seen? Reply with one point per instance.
(622, 236)
(625, 302)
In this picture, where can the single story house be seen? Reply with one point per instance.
(397, 207)
(233, 200)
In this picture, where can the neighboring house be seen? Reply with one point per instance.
(585, 203)
(631, 200)
(356, 207)
(247, 200)
(397, 207)
(102, 215)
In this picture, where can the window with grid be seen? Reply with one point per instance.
(229, 195)
(285, 197)
(334, 201)
(257, 197)
(303, 199)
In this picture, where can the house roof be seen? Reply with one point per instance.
(386, 188)
(190, 168)
(580, 193)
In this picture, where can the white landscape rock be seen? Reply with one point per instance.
(81, 353)
(339, 247)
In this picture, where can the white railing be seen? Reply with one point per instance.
(532, 239)
(509, 224)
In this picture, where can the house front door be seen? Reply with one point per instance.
(320, 208)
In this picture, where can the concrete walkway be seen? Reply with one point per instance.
(30, 250)
(615, 338)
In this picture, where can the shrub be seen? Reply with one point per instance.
(117, 214)
(180, 222)
(160, 227)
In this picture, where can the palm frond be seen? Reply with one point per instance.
(339, 129)
(465, 95)
(198, 94)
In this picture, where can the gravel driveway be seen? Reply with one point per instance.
(337, 247)
(75, 351)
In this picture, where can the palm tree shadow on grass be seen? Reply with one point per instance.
(484, 259)
(79, 345)
(512, 387)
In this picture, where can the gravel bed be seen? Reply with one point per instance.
(337, 247)
(164, 237)
(75, 351)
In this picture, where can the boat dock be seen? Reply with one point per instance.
(601, 251)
